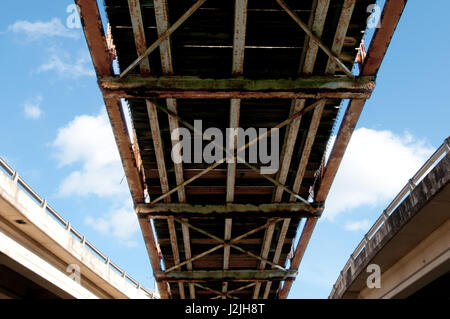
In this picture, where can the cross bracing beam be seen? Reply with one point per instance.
(191, 87)
(315, 38)
(181, 209)
(228, 275)
(255, 140)
(231, 153)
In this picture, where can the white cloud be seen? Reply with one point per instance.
(376, 165)
(39, 29)
(358, 225)
(120, 222)
(32, 108)
(88, 141)
(61, 63)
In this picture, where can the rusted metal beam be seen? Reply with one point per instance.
(228, 275)
(229, 293)
(344, 20)
(150, 244)
(193, 87)
(144, 209)
(208, 241)
(315, 38)
(217, 239)
(278, 250)
(162, 24)
(391, 15)
(219, 294)
(264, 255)
(159, 153)
(298, 255)
(316, 24)
(231, 242)
(234, 214)
(224, 95)
(139, 33)
(201, 255)
(219, 173)
(163, 37)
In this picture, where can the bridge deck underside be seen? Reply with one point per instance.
(255, 41)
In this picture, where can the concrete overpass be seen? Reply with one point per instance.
(410, 242)
(43, 256)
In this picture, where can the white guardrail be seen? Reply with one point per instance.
(416, 179)
(64, 223)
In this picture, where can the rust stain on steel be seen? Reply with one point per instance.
(116, 117)
(278, 250)
(392, 12)
(93, 29)
(194, 83)
(110, 43)
(339, 38)
(299, 252)
(152, 250)
(173, 125)
(313, 127)
(317, 28)
(154, 126)
(162, 24)
(157, 94)
(313, 37)
(139, 34)
(143, 208)
(346, 129)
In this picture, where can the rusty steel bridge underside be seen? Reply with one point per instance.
(224, 230)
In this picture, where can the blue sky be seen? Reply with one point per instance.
(55, 133)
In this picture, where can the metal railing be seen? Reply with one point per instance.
(64, 223)
(406, 190)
